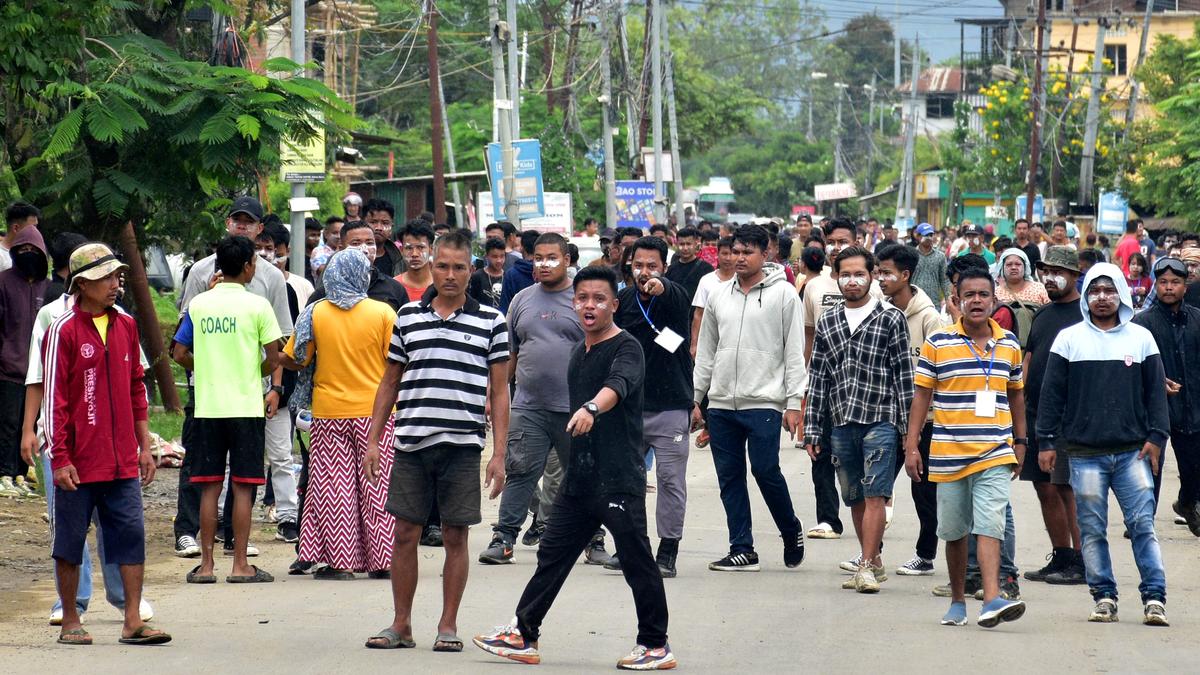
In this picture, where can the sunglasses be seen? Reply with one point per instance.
(1173, 264)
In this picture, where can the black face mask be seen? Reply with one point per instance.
(31, 264)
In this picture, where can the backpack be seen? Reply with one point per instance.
(1022, 314)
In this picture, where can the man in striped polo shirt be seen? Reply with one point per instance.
(448, 359)
(972, 373)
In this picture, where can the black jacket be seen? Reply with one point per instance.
(668, 375)
(1177, 335)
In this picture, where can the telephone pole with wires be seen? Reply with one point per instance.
(1087, 163)
(1131, 110)
(1035, 103)
(435, 117)
(296, 260)
(504, 109)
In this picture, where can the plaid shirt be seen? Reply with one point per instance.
(862, 377)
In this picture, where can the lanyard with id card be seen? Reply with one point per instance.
(666, 338)
(985, 399)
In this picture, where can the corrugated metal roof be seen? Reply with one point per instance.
(936, 80)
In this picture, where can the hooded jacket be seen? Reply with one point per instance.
(516, 279)
(1103, 390)
(20, 300)
(923, 320)
(1178, 337)
(94, 395)
(750, 353)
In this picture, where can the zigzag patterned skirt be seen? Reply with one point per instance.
(345, 524)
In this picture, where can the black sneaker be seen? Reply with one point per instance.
(1010, 589)
(287, 531)
(300, 567)
(1053, 565)
(736, 562)
(595, 553)
(431, 536)
(793, 547)
(1190, 514)
(533, 536)
(613, 564)
(499, 552)
(1071, 575)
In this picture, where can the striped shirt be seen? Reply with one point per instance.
(964, 443)
(443, 391)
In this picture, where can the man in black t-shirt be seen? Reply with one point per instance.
(1059, 272)
(605, 484)
(486, 284)
(687, 269)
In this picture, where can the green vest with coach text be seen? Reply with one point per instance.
(230, 325)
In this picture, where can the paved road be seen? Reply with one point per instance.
(778, 619)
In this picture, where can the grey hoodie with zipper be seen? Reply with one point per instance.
(750, 353)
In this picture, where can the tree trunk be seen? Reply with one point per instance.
(548, 14)
(147, 319)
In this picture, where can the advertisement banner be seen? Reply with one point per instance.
(527, 165)
(1112, 213)
(635, 204)
(557, 219)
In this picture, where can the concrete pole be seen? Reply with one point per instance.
(610, 180)
(459, 220)
(660, 213)
(676, 169)
(837, 142)
(296, 261)
(504, 109)
(514, 72)
(435, 118)
(1087, 163)
(1131, 111)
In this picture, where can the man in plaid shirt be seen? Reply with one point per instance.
(862, 374)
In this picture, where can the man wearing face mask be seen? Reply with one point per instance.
(655, 312)
(861, 377)
(358, 235)
(1059, 272)
(418, 244)
(22, 291)
(1116, 448)
(18, 216)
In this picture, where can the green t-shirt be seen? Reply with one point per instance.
(987, 254)
(226, 328)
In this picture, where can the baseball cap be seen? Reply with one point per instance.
(969, 229)
(248, 206)
(924, 229)
(91, 262)
(1060, 256)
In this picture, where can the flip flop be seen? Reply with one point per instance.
(392, 640)
(259, 577)
(140, 637)
(194, 578)
(75, 636)
(447, 642)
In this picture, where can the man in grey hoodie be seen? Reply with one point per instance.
(750, 364)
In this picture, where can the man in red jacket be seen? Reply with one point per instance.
(99, 438)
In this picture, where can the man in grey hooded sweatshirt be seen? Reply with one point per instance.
(1104, 400)
(750, 364)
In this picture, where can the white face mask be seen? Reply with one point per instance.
(548, 264)
(267, 255)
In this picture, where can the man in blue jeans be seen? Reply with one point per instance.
(750, 364)
(862, 373)
(1104, 400)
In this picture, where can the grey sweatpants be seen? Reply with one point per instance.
(667, 433)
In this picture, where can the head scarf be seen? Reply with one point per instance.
(998, 267)
(346, 280)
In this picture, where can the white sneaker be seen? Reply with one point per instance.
(251, 551)
(186, 547)
(27, 492)
(823, 531)
(145, 610)
(56, 616)
(9, 489)
(852, 564)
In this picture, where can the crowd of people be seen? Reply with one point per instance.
(963, 359)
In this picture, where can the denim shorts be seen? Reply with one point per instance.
(864, 456)
(974, 504)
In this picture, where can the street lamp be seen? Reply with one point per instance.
(814, 75)
(837, 146)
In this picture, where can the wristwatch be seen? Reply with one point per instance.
(1020, 441)
(592, 408)
(277, 389)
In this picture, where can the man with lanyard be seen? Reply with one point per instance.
(655, 313)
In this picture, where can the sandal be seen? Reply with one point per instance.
(145, 635)
(391, 640)
(447, 642)
(194, 577)
(331, 574)
(702, 439)
(75, 636)
(259, 577)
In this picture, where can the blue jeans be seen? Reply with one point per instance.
(114, 588)
(864, 455)
(1132, 482)
(734, 435)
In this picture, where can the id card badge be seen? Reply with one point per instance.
(985, 403)
(668, 340)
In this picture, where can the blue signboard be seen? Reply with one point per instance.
(527, 163)
(635, 203)
(1111, 213)
(1039, 208)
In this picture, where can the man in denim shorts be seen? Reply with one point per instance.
(862, 376)
(971, 372)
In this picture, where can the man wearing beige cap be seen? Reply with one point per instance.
(98, 436)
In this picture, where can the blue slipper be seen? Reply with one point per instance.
(956, 615)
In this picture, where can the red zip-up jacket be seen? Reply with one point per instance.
(94, 395)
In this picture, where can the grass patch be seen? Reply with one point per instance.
(169, 426)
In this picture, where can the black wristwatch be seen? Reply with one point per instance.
(277, 389)
(592, 408)
(1021, 441)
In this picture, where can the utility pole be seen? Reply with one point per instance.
(435, 117)
(676, 170)
(871, 110)
(504, 109)
(1035, 103)
(296, 261)
(514, 72)
(610, 182)
(837, 142)
(904, 197)
(1134, 90)
(660, 214)
(1087, 162)
(458, 211)
(632, 114)
(812, 77)
(896, 48)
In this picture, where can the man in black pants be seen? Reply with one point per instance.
(605, 484)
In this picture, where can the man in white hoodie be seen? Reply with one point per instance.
(750, 364)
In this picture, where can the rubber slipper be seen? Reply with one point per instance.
(140, 637)
(75, 636)
(447, 642)
(194, 577)
(392, 640)
(259, 577)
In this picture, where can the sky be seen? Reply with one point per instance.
(932, 20)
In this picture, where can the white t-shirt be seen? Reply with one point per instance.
(822, 292)
(856, 315)
(302, 287)
(5, 258)
(707, 284)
